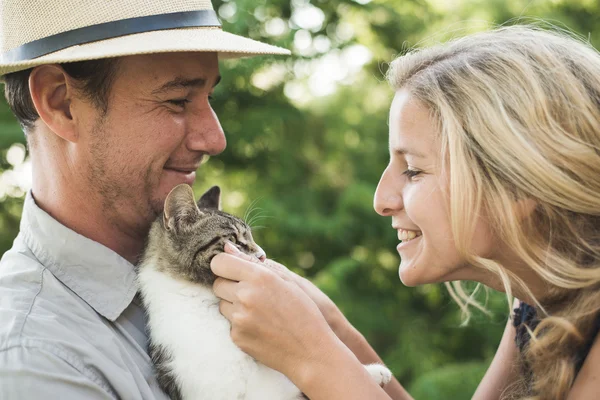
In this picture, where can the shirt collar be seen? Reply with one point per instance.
(101, 277)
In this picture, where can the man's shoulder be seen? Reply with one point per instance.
(49, 333)
(35, 307)
(39, 339)
(21, 278)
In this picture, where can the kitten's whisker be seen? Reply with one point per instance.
(257, 209)
(253, 217)
(262, 215)
(250, 208)
(259, 217)
(245, 217)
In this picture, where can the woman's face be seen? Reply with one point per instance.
(413, 191)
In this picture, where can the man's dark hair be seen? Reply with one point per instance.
(94, 79)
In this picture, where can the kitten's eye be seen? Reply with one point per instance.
(233, 239)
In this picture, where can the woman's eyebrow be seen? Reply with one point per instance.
(401, 151)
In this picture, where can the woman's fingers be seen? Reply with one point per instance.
(279, 269)
(226, 308)
(234, 251)
(225, 289)
(232, 267)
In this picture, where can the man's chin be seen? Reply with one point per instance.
(168, 181)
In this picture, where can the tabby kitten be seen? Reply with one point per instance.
(190, 341)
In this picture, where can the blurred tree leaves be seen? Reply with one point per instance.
(307, 159)
(453, 381)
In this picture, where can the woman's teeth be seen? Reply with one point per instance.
(405, 236)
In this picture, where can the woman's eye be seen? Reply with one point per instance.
(411, 173)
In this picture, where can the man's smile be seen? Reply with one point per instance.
(181, 174)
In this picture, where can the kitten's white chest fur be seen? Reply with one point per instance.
(184, 319)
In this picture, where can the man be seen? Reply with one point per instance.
(114, 99)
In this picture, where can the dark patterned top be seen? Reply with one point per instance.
(526, 315)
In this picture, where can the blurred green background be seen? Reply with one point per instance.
(307, 142)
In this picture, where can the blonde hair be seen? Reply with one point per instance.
(518, 111)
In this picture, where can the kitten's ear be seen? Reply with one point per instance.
(211, 199)
(180, 207)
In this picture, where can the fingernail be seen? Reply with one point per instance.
(230, 247)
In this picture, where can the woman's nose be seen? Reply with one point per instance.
(388, 198)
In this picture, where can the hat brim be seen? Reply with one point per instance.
(216, 40)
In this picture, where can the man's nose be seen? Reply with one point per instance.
(205, 133)
(388, 199)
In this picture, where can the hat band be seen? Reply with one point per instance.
(109, 30)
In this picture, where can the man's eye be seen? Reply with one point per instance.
(179, 102)
(411, 173)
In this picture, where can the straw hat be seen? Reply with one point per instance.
(58, 31)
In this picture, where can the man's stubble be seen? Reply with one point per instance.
(126, 195)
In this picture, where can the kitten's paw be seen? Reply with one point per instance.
(380, 373)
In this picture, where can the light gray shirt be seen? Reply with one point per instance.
(71, 325)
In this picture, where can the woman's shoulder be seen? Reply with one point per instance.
(525, 320)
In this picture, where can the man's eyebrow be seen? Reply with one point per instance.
(401, 151)
(183, 83)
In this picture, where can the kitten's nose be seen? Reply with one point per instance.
(260, 254)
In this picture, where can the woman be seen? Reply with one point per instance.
(494, 177)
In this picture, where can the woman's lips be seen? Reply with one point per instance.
(406, 243)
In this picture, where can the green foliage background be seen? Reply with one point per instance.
(309, 166)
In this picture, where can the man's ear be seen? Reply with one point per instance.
(52, 92)
(180, 208)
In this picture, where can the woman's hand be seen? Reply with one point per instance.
(272, 318)
(284, 322)
(332, 314)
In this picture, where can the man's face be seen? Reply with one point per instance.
(158, 128)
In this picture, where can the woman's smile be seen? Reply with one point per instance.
(408, 240)
(405, 235)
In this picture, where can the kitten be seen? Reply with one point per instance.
(190, 341)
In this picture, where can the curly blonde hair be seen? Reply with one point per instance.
(518, 111)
